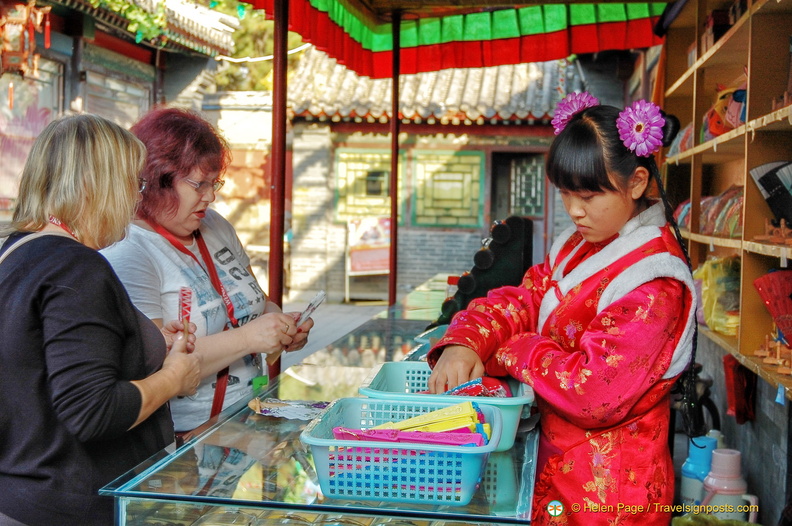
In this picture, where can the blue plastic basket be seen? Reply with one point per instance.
(435, 333)
(405, 380)
(394, 472)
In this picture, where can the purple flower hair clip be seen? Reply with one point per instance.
(641, 128)
(572, 104)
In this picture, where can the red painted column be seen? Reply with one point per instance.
(395, 125)
(278, 158)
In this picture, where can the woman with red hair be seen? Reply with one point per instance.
(178, 241)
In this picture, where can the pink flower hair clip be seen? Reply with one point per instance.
(641, 128)
(572, 104)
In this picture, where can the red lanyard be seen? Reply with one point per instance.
(57, 222)
(208, 261)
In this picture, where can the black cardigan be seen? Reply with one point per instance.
(70, 342)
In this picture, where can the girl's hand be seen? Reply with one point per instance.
(301, 338)
(174, 328)
(184, 366)
(456, 365)
(270, 333)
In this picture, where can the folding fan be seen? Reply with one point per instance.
(774, 182)
(775, 289)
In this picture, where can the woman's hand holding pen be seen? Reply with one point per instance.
(183, 364)
(271, 333)
(301, 338)
(173, 328)
(456, 365)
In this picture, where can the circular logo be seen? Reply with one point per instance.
(555, 508)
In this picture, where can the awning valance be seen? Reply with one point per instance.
(494, 37)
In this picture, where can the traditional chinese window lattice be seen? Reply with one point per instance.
(363, 183)
(528, 186)
(448, 189)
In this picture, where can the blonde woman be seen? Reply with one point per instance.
(84, 376)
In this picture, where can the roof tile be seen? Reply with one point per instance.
(322, 88)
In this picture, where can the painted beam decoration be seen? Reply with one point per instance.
(496, 37)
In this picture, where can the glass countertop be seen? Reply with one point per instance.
(255, 461)
(249, 460)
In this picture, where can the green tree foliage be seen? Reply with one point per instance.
(253, 39)
(144, 25)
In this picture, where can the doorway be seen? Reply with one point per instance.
(519, 189)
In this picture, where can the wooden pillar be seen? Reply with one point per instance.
(278, 158)
(395, 125)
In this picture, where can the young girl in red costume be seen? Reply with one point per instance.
(601, 329)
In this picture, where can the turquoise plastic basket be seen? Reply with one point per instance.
(405, 381)
(434, 333)
(389, 471)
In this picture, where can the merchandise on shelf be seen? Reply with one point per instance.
(721, 215)
(727, 113)
(720, 293)
(682, 142)
(774, 181)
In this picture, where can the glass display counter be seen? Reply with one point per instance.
(250, 467)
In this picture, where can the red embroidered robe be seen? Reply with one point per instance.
(600, 331)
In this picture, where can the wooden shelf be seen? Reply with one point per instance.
(768, 249)
(755, 247)
(755, 48)
(779, 120)
(727, 343)
(752, 363)
(713, 241)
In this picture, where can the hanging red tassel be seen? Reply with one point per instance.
(10, 95)
(46, 31)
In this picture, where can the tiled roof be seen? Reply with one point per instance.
(195, 26)
(189, 26)
(524, 93)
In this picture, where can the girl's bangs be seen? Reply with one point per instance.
(581, 167)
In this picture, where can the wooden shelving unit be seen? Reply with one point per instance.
(756, 47)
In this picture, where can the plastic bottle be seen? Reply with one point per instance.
(451, 285)
(695, 469)
(726, 490)
(717, 435)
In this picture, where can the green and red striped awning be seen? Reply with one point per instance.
(493, 37)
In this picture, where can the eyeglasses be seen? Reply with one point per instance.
(204, 186)
(141, 185)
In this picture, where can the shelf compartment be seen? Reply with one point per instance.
(752, 363)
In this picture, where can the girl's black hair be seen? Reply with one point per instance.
(588, 151)
(583, 157)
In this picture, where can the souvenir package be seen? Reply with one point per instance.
(682, 214)
(720, 293)
(721, 215)
(682, 142)
(727, 113)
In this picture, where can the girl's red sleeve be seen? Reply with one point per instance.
(620, 355)
(489, 322)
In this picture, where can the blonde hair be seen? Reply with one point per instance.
(83, 170)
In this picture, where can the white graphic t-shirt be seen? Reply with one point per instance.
(153, 272)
